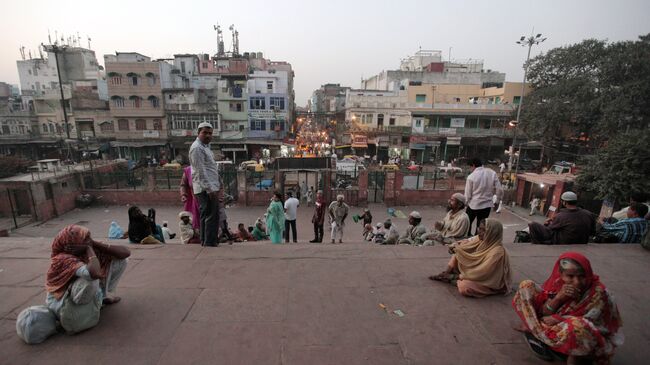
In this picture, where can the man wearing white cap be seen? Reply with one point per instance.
(453, 227)
(337, 212)
(569, 225)
(415, 231)
(206, 185)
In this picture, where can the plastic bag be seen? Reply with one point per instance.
(115, 232)
(35, 324)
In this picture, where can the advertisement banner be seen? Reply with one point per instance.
(457, 123)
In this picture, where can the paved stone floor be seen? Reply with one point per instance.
(257, 303)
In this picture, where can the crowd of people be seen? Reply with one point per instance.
(571, 316)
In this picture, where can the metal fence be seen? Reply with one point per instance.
(432, 180)
(119, 179)
(167, 179)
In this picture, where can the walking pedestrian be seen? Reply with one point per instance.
(310, 196)
(338, 211)
(318, 219)
(290, 213)
(206, 185)
(481, 185)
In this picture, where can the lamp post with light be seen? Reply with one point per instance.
(524, 42)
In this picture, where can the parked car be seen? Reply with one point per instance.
(349, 166)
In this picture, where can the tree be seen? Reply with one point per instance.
(618, 169)
(585, 93)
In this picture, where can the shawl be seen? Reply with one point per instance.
(595, 294)
(63, 265)
(275, 217)
(486, 261)
(139, 225)
(191, 203)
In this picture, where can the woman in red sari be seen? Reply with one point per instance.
(187, 197)
(572, 314)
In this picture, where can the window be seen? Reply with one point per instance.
(123, 124)
(277, 125)
(258, 124)
(269, 85)
(154, 101)
(205, 65)
(134, 80)
(420, 98)
(118, 101)
(380, 119)
(140, 124)
(106, 127)
(418, 123)
(516, 100)
(391, 121)
(497, 100)
(44, 128)
(51, 128)
(135, 101)
(157, 125)
(116, 80)
(258, 103)
(276, 103)
(183, 66)
(185, 106)
(235, 107)
(151, 79)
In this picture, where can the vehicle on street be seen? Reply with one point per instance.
(390, 167)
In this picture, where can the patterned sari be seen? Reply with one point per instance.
(589, 326)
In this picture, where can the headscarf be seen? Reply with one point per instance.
(139, 225)
(63, 265)
(485, 261)
(554, 282)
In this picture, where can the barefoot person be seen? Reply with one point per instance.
(479, 266)
(82, 273)
(572, 315)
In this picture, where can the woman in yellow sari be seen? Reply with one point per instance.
(479, 266)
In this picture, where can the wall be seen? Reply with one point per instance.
(135, 197)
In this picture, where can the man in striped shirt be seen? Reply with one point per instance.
(629, 230)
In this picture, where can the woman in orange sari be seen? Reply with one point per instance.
(572, 315)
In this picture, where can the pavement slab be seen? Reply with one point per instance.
(259, 303)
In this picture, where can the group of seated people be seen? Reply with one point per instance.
(454, 226)
(574, 225)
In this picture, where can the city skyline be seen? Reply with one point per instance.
(333, 42)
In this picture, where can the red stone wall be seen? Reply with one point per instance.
(134, 197)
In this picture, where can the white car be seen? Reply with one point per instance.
(349, 165)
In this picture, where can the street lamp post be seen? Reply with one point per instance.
(529, 42)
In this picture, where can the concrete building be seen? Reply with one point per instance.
(136, 104)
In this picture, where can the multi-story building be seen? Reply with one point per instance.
(16, 125)
(431, 110)
(136, 104)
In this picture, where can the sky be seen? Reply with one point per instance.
(333, 41)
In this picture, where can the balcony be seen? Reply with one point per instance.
(464, 108)
(470, 132)
(232, 93)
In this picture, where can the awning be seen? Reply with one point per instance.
(417, 146)
(359, 145)
(233, 149)
(344, 146)
(137, 144)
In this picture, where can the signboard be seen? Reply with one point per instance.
(457, 123)
(453, 141)
(150, 134)
(267, 114)
(448, 131)
(418, 139)
(181, 133)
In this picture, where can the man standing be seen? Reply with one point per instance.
(290, 212)
(453, 227)
(205, 184)
(569, 225)
(481, 185)
(318, 219)
(338, 211)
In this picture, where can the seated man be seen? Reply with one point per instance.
(414, 232)
(634, 198)
(629, 230)
(391, 235)
(570, 225)
(453, 227)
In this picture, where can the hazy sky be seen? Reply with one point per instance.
(326, 41)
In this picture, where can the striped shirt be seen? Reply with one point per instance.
(629, 230)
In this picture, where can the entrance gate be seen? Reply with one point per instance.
(376, 182)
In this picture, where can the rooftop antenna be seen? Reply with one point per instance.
(220, 46)
(56, 37)
(88, 41)
(49, 37)
(78, 40)
(30, 54)
(40, 51)
(22, 52)
(235, 40)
